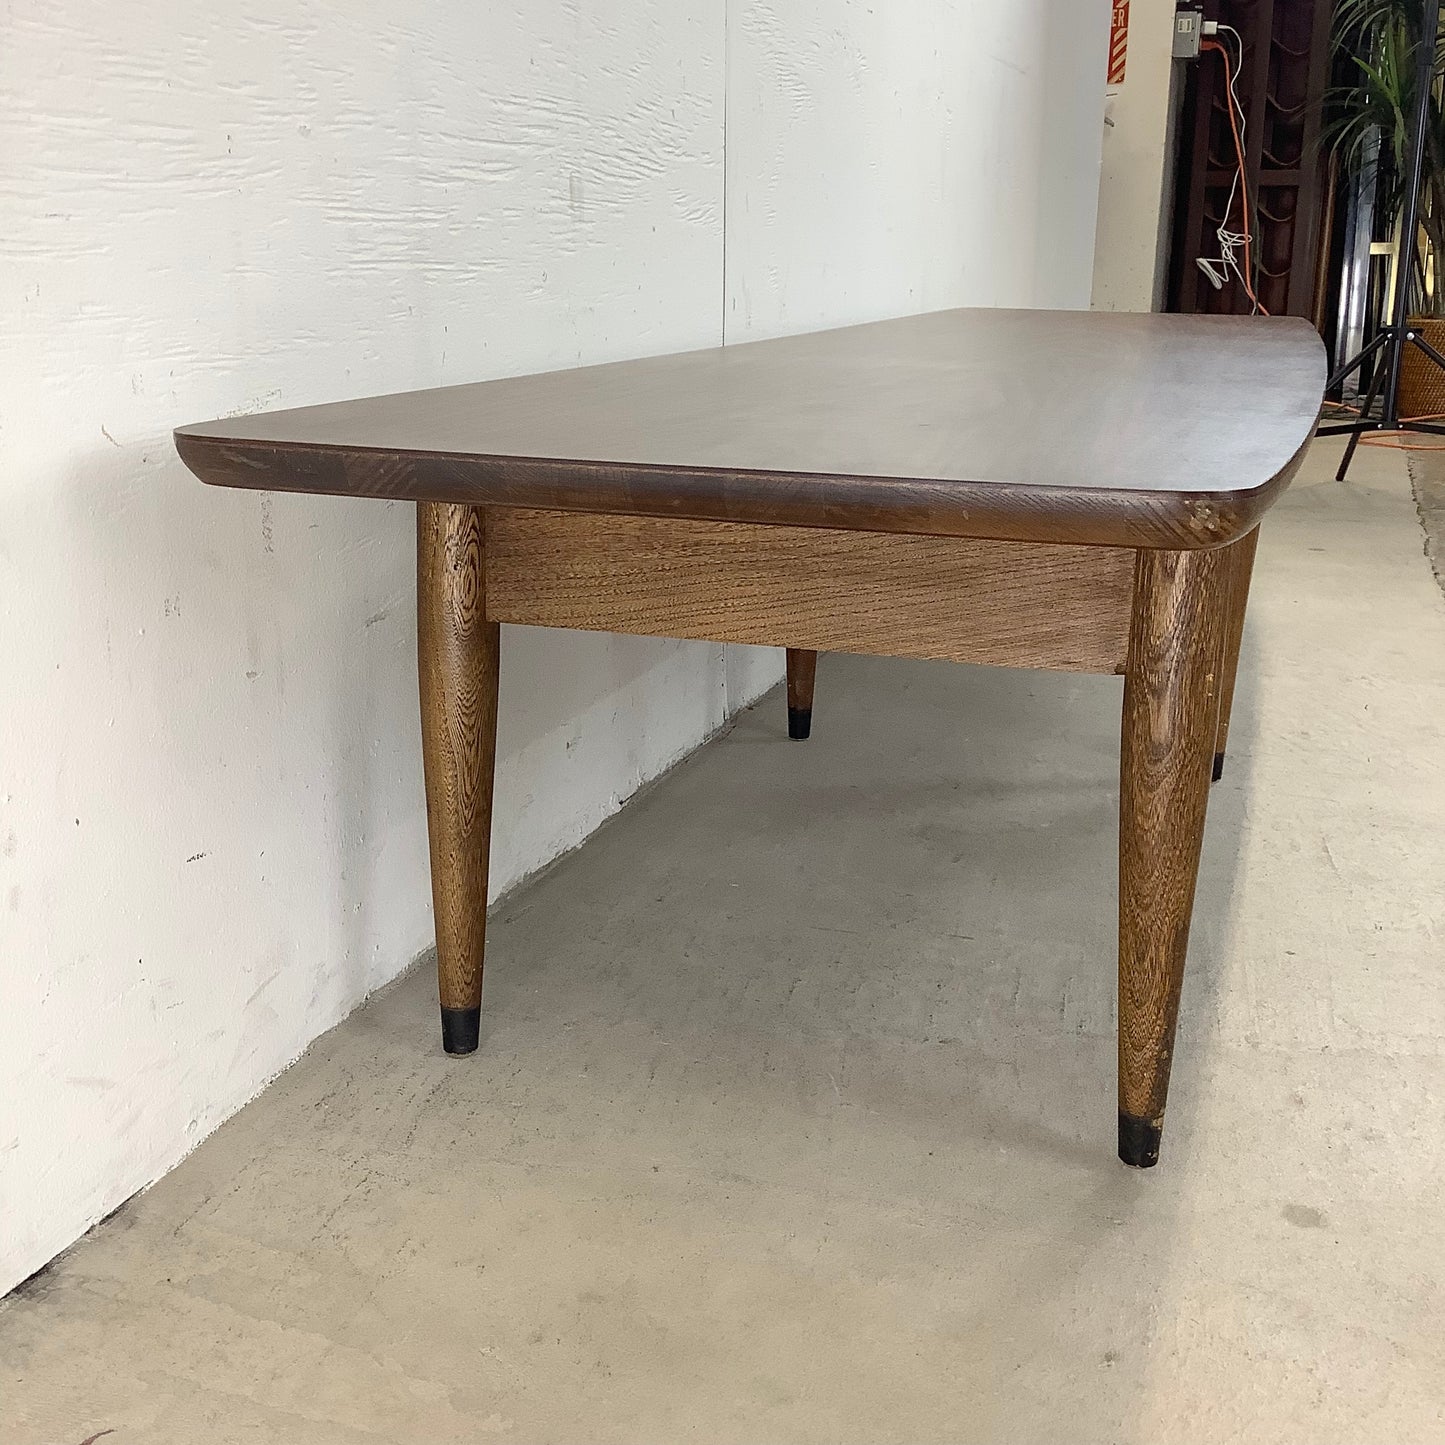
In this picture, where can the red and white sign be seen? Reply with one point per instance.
(1118, 41)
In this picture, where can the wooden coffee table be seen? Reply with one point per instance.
(1018, 488)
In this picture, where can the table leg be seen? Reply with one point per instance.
(1242, 558)
(802, 667)
(1171, 712)
(457, 662)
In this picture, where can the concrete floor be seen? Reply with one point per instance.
(794, 1119)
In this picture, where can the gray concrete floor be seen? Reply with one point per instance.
(794, 1119)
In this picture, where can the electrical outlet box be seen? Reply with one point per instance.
(1188, 29)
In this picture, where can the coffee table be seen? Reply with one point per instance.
(1019, 488)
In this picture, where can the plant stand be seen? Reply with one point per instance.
(1402, 334)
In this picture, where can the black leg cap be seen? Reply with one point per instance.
(1138, 1141)
(800, 722)
(1218, 772)
(461, 1029)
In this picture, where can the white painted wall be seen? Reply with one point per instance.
(885, 159)
(1131, 255)
(211, 832)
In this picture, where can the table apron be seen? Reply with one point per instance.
(1011, 604)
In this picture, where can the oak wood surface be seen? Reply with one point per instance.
(802, 671)
(1014, 604)
(1171, 711)
(1242, 557)
(1116, 429)
(457, 654)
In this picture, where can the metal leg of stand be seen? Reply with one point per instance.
(1354, 441)
(1429, 350)
(1383, 339)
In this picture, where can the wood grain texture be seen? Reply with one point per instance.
(1241, 555)
(802, 669)
(1111, 429)
(1171, 709)
(1009, 604)
(457, 652)
(802, 666)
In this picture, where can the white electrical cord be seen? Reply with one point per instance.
(1231, 242)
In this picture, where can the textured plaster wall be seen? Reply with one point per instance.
(884, 159)
(211, 833)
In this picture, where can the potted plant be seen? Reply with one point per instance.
(1376, 44)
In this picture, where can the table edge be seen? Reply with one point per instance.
(998, 510)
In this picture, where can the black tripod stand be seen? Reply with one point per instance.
(1388, 348)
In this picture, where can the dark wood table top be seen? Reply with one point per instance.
(1110, 428)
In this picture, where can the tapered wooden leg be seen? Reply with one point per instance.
(457, 662)
(802, 667)
(1241, 555)
(1171, 709)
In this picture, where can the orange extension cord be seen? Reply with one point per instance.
(1248, 271)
